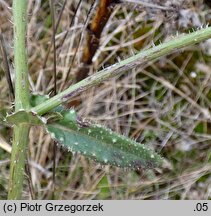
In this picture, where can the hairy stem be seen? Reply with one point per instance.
(18, 158)
(127, 64)
(20, 136)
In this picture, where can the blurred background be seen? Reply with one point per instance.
(162, 105)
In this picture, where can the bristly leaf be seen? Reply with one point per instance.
(97, 142)
(101, 144)
(23, 116)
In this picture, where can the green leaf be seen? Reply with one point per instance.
(95, 141)
(101, 144)
(37, 99)
(23, 116)
(104, 188)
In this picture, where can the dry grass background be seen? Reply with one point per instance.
(158, 105)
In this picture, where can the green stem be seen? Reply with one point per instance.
(141, 58)
(20, 140)
(20, 136)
